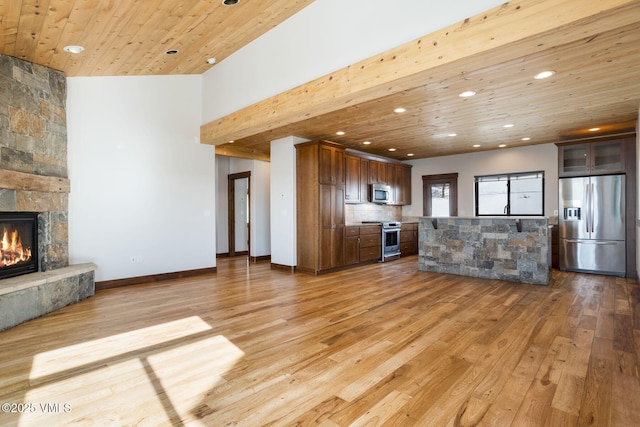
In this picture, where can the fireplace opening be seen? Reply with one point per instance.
(18, 243)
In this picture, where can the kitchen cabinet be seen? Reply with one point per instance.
(331, 165)
(593, 158)
(363, 244)
(408, 238)
(361, 172)
(356, 179)
(399, 179)
(332, 226)
(370, 243)
(377, 172)
(352, 245)
(320, 192)
(404, 182)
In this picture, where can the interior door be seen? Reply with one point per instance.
(239, 217)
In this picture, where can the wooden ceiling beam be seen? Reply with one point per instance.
(243, 153)
(500, 34)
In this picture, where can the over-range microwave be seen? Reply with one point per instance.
(380, 193)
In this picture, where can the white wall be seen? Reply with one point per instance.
(141, 183)
(283, 201)
(222, 204)
(325, 36)
(524, 159)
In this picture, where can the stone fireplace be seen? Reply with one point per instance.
(33, 178)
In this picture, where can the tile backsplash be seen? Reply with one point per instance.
(355, 213)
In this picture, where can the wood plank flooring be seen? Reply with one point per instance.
(383, 344)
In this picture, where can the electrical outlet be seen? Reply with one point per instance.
(136, 260)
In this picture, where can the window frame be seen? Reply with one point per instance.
(479, 178)
(445, 178)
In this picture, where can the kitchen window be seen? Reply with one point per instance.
(512, 194)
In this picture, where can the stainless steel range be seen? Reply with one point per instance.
(390, 239)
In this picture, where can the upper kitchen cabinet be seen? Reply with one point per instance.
(357, 178)
(399, 179)
(362, 171)
(403, 177)
(593, 158)
(331, 166)
(377, 172)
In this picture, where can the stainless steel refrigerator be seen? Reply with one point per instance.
(592, 224)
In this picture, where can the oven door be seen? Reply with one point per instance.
(390, 242)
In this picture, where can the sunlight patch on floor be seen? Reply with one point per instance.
(103, 350)
(170, 368)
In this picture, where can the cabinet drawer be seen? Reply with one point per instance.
(369, 240)
(406, 236)
(352, 231)
(408, 226)
(371, 229)
(368, 254)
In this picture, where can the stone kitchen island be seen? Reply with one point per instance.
(513, 249)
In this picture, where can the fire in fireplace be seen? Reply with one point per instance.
(18, 243)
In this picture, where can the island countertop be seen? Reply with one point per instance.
(505, 248)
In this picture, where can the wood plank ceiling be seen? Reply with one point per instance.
(130, 38)
(595, 54)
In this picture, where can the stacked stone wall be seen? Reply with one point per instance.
(33, 140)
(516, 250)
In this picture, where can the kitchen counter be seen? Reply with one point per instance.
(513, 249)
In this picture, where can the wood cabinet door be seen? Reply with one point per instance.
(377, 172)
(404, 185)
(331, 167)
(331, 244)
(392, 183)
(573, 160)
(351, 250)
(353, 175)
(607, 157)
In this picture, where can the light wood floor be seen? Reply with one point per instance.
(379, 345)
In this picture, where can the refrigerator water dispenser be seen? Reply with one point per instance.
(572, 214)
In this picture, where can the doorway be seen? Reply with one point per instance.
(239, 218)
(440, 195)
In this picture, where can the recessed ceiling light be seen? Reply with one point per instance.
(509, 125)
(211, 61)
(231, 141)
(594, 129)
(453, 134)
(171, 51)
(399, 110)
(477, 145)
(392, 149)
(502, 145)
(526, 139)
(366, 143)
(410, 155)
(73, 49)
(230, 2)
(544, 74)
(340, 132)
(467, 94)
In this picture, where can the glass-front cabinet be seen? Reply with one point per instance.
(591, 158)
